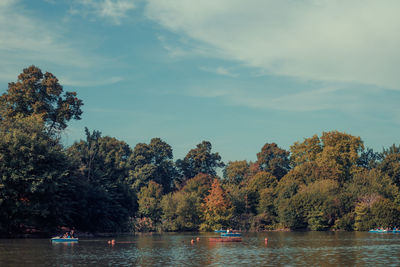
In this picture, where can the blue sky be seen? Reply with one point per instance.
(237, 73)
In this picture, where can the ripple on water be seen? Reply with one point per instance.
(290, 249)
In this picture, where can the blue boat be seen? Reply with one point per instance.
(379, 231)
(64, 240)
(220, 231)
(231, 234)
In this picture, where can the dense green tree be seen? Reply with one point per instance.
(340, 152)
(236, 171)
(390, 164)
(273, 160)
(238, 196)
(371, 182)
(335, 154)
(267, 213)
(307, 151)
(291, 214)
(36, 178)
(149, 199)
(152, 162)
(182, 210)
(103, 161)
(369, 159)
(385, 213)
(363, 217)
(40, 94)
(199, 160)
(256, 184)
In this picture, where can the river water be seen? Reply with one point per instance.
(283, 248)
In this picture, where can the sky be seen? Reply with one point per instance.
(236, 73)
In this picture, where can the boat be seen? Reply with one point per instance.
(225, 239)
(231, 234)
(379, 231)
(64, 240)
(220, 231)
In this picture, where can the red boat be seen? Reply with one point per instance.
(225, 239)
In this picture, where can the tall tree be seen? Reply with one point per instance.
(391, 163)
(273, 160)
(306, 151)
(334, 154)
(200, 160)
(103, 161)
(369, 159)
(149, 199)
(340, 151)
(182, 210)
(217, 209)
(36, 178)
(40, 94)
(152, 162)
(235, 172)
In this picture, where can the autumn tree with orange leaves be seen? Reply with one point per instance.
(217, 209)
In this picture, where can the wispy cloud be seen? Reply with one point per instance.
(340, 98)
(220, 71)
(113, 10)
(65, 80)
(26, 39)
(350, 41)
(173, 50)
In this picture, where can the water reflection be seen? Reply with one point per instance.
(284, 248)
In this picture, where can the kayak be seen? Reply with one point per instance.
(60, 239)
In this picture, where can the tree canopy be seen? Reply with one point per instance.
(199, 160)
(101, 184)
(40, 94)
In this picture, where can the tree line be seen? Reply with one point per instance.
(101, 184)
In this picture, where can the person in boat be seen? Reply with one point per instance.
(72, 234)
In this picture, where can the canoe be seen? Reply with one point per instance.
(60, 239)
(225, 239)
(231, 234)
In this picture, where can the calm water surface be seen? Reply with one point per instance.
(288, 249)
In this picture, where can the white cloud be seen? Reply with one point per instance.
(24, 37)
(27, 40)
(335, 97)
(338, 40)
(113, 10)
(89, 83)
(220, 71)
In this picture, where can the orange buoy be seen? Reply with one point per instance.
(266, 240)
(192, 241)
(198, 239)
